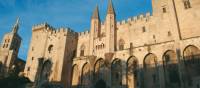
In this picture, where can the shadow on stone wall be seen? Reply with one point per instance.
(175, 74)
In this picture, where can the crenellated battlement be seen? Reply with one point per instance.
(63, 31)
(85, 33)
(52, 30)
(42, 25)
(135, 19)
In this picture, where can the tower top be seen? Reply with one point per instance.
(96, 13)
(16, 26)
(110, 8)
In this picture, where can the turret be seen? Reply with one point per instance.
(96, 23)
(110, 28)
(95, 30)
(16, 26)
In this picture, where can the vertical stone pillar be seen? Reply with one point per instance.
(124, 77)
(141, 76)
(180, 67)
(161, 75)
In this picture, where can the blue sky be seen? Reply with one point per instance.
(75, 14)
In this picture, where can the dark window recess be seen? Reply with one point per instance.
(154, 36)
(50, 48)
(28, 69)
(187, 4)
(121, 47)
(121, 44)
(164, 10)
(82, 53)
(32, 48)
(143, 29)
(4, 45)
(169, 33)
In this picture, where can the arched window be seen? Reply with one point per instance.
(116, 73)
(45, 71)
(151, 76)
(121, 44)
(164, 9)
(132, 79)
(75, 77)
(99, 69)
(170, 66)
(50, 48)
(191, 56)
(187, 4)
(82, 53)
(85, 77)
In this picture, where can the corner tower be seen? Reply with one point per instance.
(10, 47)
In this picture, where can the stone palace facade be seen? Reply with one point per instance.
(157, 50)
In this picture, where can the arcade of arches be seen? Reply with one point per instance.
(170, 72)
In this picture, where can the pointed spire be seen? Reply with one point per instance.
(16, 26)
(96, 13)
(110, 8)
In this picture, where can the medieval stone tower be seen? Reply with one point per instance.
(50, 54)
(153, 50)
(10, 47)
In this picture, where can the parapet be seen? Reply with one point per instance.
(135, 19)
(43, 25)
(54, 31)
(63, 30)
(85, 33)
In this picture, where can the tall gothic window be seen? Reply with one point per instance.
(121, 44)
(82, 52)
(187, 4)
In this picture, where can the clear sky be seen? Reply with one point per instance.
(75, 14)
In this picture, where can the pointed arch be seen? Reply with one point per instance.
(132, 65)
(150, 60)
(121, 44)
(46, 71)
(116, 73)
(191, 57)
(170, 66)
(151, 77)
(75, 76)
(85, 76)
(99, 69)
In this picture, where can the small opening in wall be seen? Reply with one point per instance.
(154, 36)
(164, 10)
(50, 48)
(28, 69)
(6, 45)
(143, 29)
(32, 58)
(169, 33)
(82, 53)
(32, 48)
